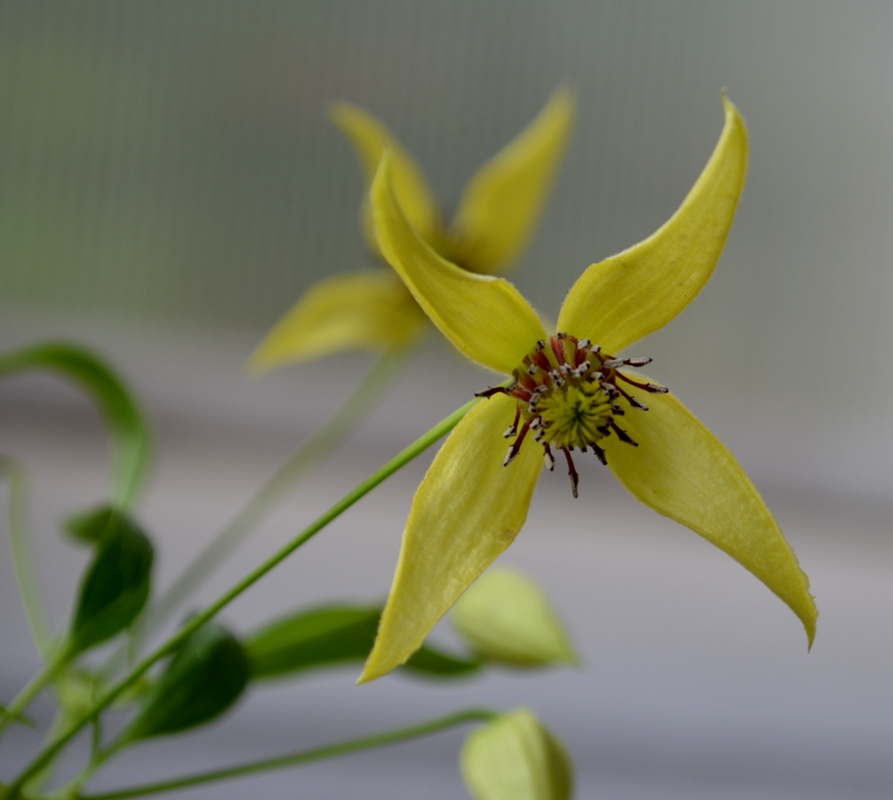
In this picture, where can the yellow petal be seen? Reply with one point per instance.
(486, 318)
(515, 758)
(683, 471)
(370, 139)
(360, 311)
(624, 298)
(503, 202)
(467, 510)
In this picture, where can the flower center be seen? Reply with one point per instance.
(569, 394)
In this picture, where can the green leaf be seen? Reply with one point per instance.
(90, 526)
(117, 583)
(515, 758)
(333, 635)
(319, 637)
(203, 679)
(127, 425)
(437, 664)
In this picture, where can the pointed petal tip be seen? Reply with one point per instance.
(341, 113)
(256, 366)
(624, 298)
(486, 318)
(809, 625)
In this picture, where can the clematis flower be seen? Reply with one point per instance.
(570, 393)
(372, 310)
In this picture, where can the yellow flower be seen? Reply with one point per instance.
(372, 310)
(570, 391)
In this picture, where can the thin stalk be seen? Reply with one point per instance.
(403, 458)
(314, 450)
(22, 557)
(331, 751)
(34, 687)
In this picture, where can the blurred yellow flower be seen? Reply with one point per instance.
(372, 310)
(568, 391)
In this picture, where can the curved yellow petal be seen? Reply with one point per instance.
(682, 470)
(503, 201)
(370, 138)
(486, 318)
(359, 311)
(618, 301)
(467, 510)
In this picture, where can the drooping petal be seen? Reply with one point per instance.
(370, 139)
(503, 201)
(467, 510)
(618, 301)
(486, 318)
(682, 470)
(359, 311)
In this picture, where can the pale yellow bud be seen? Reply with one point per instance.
(506, 617)
(515, 758)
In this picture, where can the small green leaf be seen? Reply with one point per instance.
(321, 636)
(90, 526)
(437, 664)
(515, 758)
(127, 425)
(334, 635)
(203, 679)
(506, 617)
(20, 718)
(116, 585)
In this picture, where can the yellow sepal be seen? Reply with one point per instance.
(618, 301)
(370, 138)
(359, 311)
(503, 201)
(682, 470)
(486, 318)
(467, 510)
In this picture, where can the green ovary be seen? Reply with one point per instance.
(575, 415)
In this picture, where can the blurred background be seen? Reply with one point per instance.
(170, 185)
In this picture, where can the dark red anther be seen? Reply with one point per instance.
(516, 445)
(491, 392)
(571, 471)
(557, 346)
(541, 360)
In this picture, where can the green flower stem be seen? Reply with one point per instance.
(22, 558)
(403, 458)
(34, 687)
(345, 420)
(353, 746)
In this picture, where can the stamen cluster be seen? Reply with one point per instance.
(568, 395)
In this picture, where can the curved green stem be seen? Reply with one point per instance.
(34, 687)
(322, 443)
(353, 746)
(22, 558)
(417, 447)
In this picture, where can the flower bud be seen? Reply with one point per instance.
(505, 617)
(515, 758)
